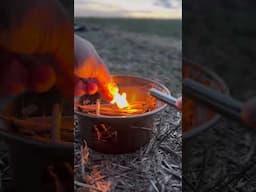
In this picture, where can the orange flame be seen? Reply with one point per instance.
(118, 99)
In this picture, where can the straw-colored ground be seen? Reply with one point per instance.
(157, 166)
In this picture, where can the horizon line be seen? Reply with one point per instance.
(124, 17)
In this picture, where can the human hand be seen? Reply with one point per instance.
(36, 27)
(91, 73)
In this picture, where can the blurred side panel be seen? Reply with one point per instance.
(219, 52)
(36, 95)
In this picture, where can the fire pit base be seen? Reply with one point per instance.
(122, 134)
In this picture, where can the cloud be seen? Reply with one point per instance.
(169, 3)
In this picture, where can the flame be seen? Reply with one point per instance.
(118, 99)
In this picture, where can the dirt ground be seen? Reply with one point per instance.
(157, 166)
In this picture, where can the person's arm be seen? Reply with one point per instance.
(90, 67)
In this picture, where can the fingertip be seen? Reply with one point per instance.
(42, 78)
(105, 93)
(80, 88)
(178, 103)
(249, 113)
(92, 87)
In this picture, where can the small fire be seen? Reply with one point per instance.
(118, 99)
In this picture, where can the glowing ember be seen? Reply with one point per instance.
(118, 99)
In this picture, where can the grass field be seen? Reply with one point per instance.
(165, 28)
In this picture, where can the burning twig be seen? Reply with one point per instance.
(113, 110)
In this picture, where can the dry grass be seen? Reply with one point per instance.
(155, 167)
(4, 167)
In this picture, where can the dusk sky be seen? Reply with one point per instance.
(166, 9)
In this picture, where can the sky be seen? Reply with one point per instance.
(165, 9)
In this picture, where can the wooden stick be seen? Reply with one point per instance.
(38, 129)
(98, 107)
(34, 125)
(118, 112)
(56, 122)
(27, 124)
(106, 109)
(112, 107)
(137, 107)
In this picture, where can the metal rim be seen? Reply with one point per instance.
(131, 116)
(217, 117)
